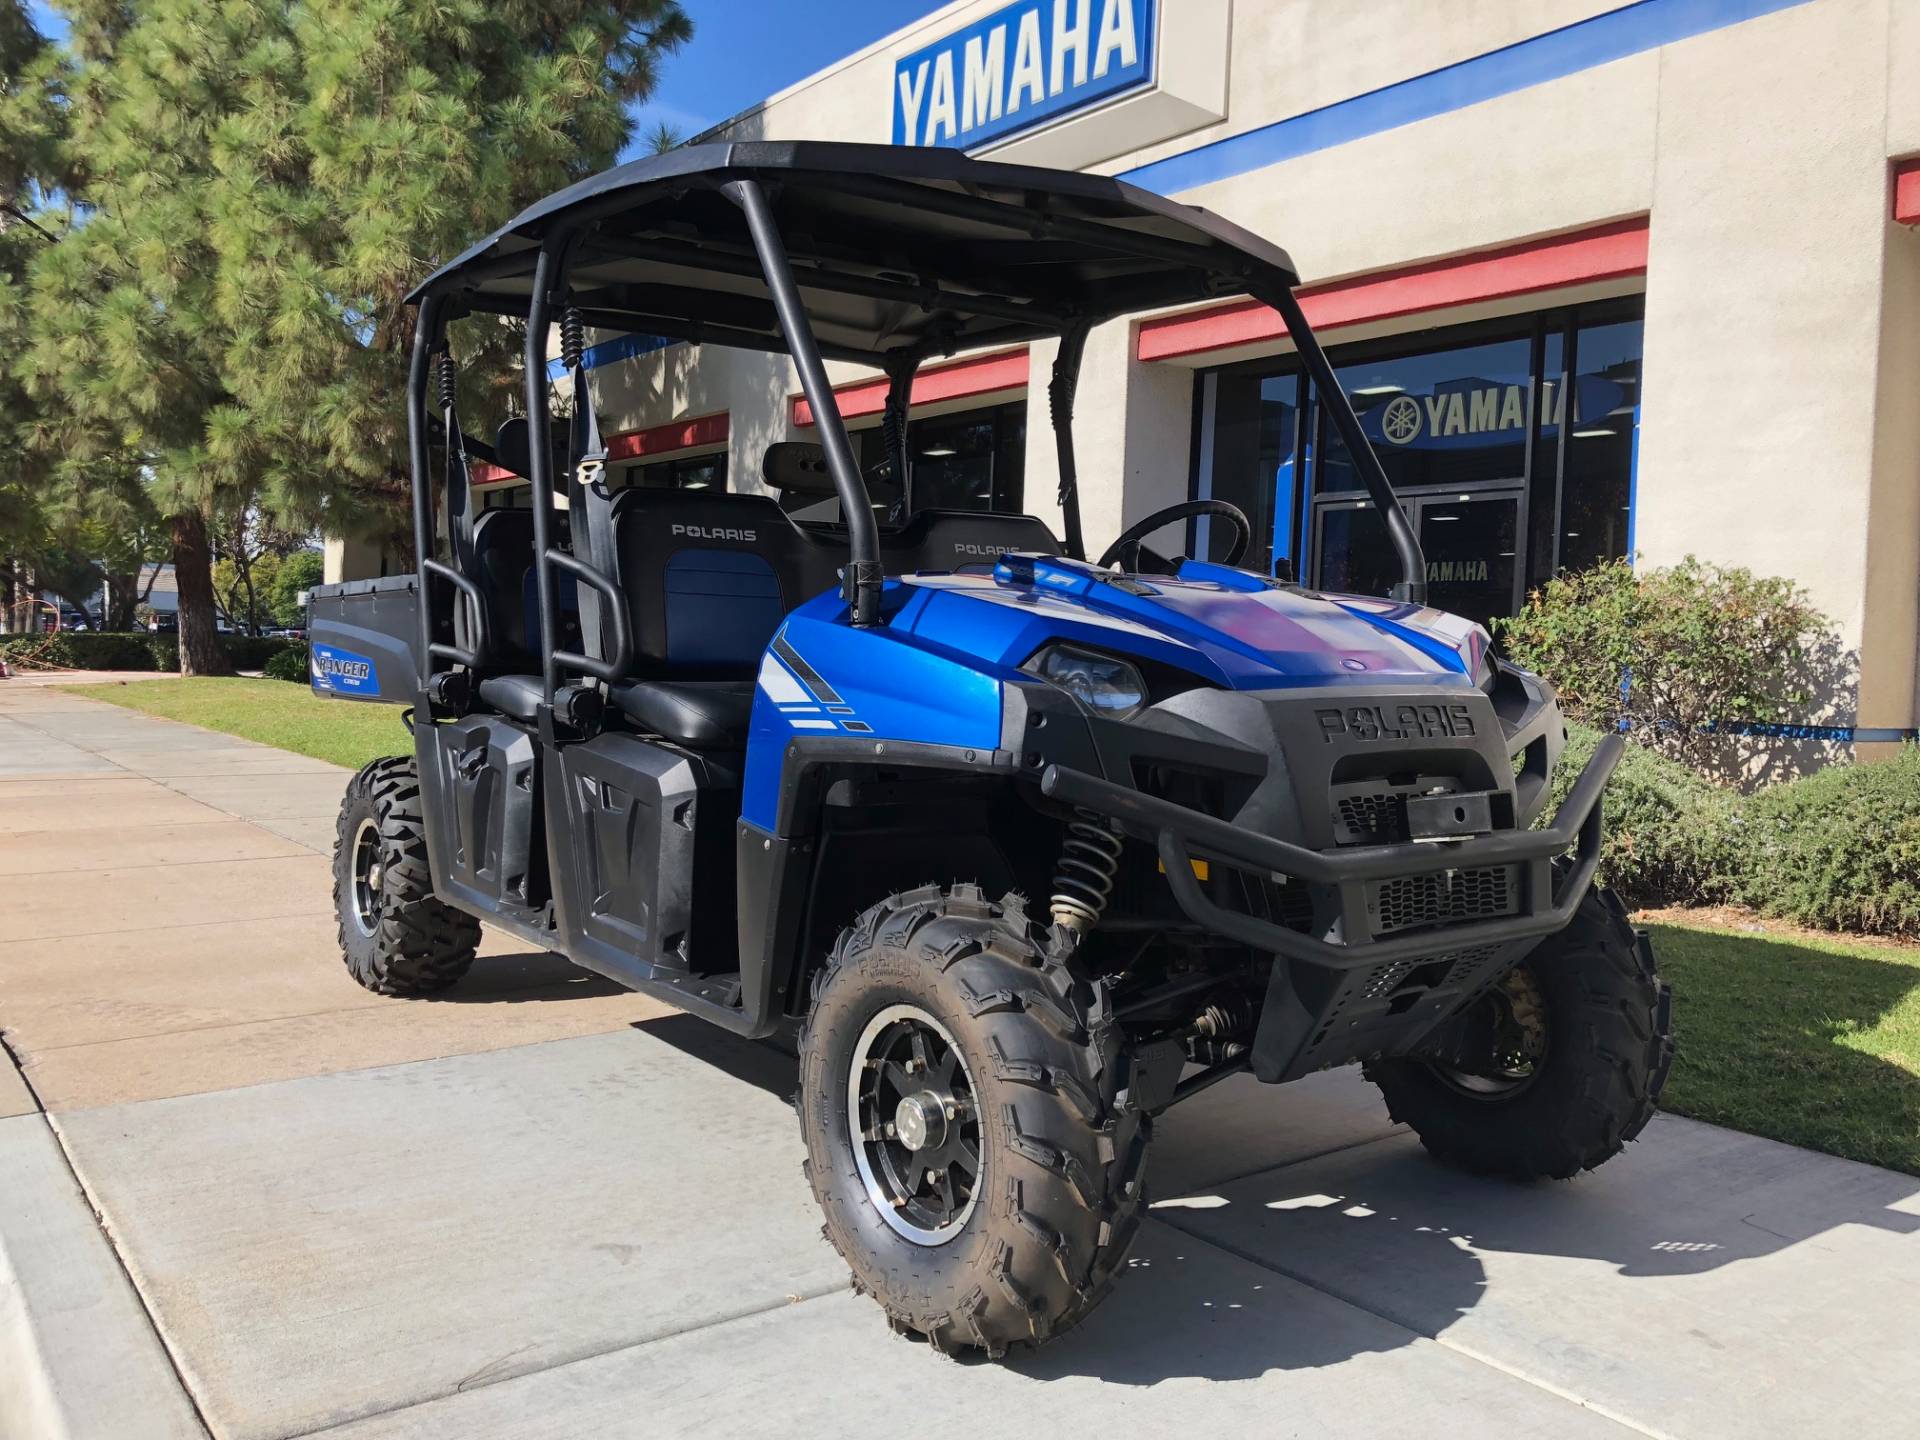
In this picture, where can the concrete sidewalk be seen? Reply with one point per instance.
(546, 1207)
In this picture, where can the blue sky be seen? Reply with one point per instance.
(746, 50)
(742, 51)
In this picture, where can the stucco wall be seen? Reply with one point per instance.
(1781, 413)
(1759, 443)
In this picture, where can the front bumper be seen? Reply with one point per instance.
(1351, 992)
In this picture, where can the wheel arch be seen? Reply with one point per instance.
(858, 818)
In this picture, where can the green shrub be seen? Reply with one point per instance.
(1699, 644)
(288, 664)
(1839, 849)
(1672, 838)
(138, 650)
(83, 650)
(252, 652)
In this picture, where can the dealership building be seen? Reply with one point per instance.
(1602, 280)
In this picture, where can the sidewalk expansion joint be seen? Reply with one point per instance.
(155, 929)
(106, 1233)
(496, 1376)
(1402, 1323)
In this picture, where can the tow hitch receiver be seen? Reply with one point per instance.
(1449, 817)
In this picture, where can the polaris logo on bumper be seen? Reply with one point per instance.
(1366, 723)
(716, 532)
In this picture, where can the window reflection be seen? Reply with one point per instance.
(1512, 448)
(1596, 491)
(1448, 418)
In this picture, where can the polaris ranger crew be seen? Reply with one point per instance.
(1026, 847)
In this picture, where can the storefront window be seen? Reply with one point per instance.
(1596, 496)
(698, 472)
(973, 460)
(1510, 444)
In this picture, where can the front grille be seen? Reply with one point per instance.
(1376, 819)
(1411, 901)
(1374, 812)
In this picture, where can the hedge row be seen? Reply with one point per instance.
(1835, 850)
(140, 650)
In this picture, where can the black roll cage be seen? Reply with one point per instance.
(781, 324)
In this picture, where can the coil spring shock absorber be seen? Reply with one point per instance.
(1083, 876)
(573, 337)
(448, 376)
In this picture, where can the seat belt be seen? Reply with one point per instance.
(457, 487)
(588, 499)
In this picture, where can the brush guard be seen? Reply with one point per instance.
(1364, 992)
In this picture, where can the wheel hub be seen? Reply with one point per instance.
(920, 1121)
(1508, 1041)
(914, 1125)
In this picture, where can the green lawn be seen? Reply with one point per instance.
(1811, 1041)
(274, 712)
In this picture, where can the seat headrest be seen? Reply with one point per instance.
(797, 467)
(513, 450)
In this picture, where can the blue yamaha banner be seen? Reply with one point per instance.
(1028, 63)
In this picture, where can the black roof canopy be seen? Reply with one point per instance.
(894, 249)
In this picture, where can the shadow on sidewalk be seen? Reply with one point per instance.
(534, 976)
(1210, 1291)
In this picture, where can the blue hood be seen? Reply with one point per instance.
(1224, 625)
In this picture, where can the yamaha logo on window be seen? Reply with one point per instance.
(1025, 65)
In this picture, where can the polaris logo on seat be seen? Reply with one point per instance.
(1026, 64)
(991, 552)
(716, 532)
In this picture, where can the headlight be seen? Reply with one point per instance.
(1104, 684)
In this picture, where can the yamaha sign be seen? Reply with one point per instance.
(1024, 66)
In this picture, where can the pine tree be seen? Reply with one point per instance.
(30, 131)
(264, 182)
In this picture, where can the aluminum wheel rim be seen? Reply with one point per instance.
(367, 877)
(907, 1081)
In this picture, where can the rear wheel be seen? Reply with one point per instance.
(958, 1098)
(396, 937)
(1554, 1069)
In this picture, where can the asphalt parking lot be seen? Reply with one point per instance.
(238, 1195)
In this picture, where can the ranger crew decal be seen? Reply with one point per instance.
(343, 672)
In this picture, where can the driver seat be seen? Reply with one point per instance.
(708, 579)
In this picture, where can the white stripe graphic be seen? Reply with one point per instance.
(780, 684)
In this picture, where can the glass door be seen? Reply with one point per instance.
(1470, 539)
(1472, 546)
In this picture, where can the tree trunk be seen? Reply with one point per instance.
(122, 596)
(253, 603)
(200, 652)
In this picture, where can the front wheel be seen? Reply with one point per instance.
(395, 935)
(1554, 1069)
(965, 1137)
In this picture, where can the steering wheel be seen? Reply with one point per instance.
(1128, 546)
